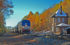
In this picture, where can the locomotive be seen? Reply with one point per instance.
(25, 26)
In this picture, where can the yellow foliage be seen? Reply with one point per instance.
(44, 21)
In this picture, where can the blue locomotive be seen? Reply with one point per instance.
(25, 26)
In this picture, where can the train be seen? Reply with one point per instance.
(23, 27)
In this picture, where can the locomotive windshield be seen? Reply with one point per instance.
(25, 22)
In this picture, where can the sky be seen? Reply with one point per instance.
(23, 7)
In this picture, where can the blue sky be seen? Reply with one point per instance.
(23, 7)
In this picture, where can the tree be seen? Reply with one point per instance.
(5, 10)
(44, 20)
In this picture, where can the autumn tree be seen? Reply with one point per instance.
(44, 19)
